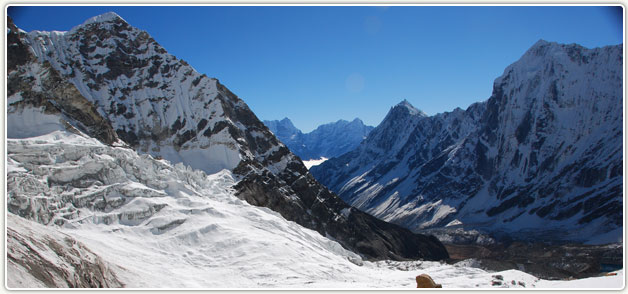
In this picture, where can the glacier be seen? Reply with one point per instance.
(148, 224)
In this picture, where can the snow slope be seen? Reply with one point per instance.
(141, 214)
(155, 225)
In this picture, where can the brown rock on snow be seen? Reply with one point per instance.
(425, 281)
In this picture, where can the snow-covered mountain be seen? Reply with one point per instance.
(108, 80)
(96, 199)
(542, 156)
(328, 140)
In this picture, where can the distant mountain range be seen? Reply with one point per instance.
(328, 140)
(540, 159)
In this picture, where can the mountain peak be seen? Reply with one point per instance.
(543, 53)
(283, 126)
(108, 17)
(540, 43)
(357, 120)
(287, 123)
(555, 50)
(105, 17)
(411, 109)
(541, 47)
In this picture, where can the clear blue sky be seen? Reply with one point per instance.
(320, 64)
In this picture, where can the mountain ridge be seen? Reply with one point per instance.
(327, 140)
(544, 151)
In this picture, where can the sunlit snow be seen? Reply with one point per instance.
(312, 162)
(205, 237)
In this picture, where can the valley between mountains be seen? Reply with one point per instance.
(125, 167)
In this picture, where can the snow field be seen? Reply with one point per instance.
(205, 237)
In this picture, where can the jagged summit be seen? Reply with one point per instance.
(357, 120)
(405, 104)
(545, 43)
(105, 17)
(544, 60)
(541, 42)
(558, 52)
(284, 126)
(286, 121)
(559, 46)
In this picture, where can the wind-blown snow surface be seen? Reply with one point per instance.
(126, 206)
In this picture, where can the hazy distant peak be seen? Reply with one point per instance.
(540, 42)
(357, 120)
(327, 140)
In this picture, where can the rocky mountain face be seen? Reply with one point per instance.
(541, 157)
(328, 140)
(108, 80)
(37, 85)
